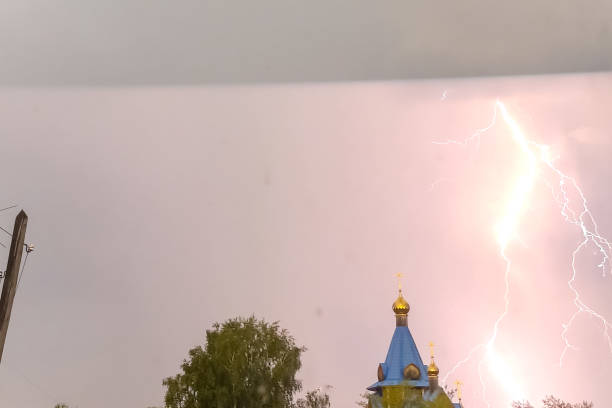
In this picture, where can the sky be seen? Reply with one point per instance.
(157, 211)
(156, 42)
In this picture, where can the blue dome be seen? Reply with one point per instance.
(402, 352)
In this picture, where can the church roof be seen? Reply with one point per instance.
(402, 352)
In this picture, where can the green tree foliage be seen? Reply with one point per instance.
(552, 402)
(246, 363)
(314, 399)
(61, 405)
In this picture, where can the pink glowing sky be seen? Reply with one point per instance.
(158, 211)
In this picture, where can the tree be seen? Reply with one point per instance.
(552, 402)
(521, 404)
(451, 392)
(61, 405)
(314, 399)
(245, 363)
(365, 397)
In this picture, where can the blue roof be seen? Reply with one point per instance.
(402, 351)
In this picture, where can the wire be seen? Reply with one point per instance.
(23, 267)
(10, 235)
(29, 248)
(40, 389)
(7, 208)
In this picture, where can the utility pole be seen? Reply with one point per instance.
(11, 275)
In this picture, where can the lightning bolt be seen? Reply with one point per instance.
(506, 231)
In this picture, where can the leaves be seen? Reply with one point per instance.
(552, 402)
(314, 399)
(246, 363)
(365, 397)
(452, 391)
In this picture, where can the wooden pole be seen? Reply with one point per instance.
(12, 273)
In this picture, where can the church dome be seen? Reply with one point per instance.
(432, 369)
(401, 306)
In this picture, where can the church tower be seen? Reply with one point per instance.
(403, 380)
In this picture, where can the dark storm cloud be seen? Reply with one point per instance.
(191, 42)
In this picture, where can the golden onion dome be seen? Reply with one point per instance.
(432, 369)
(400, 306)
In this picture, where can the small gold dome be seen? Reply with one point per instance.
(432, 369)
(400, 306)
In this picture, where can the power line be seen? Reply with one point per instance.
(4, 209)
(40, 389)
(10, 235)
(28, 249)
(23, 266)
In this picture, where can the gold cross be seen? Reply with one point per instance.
(399, 276)
(431, 349)
(458, 384)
